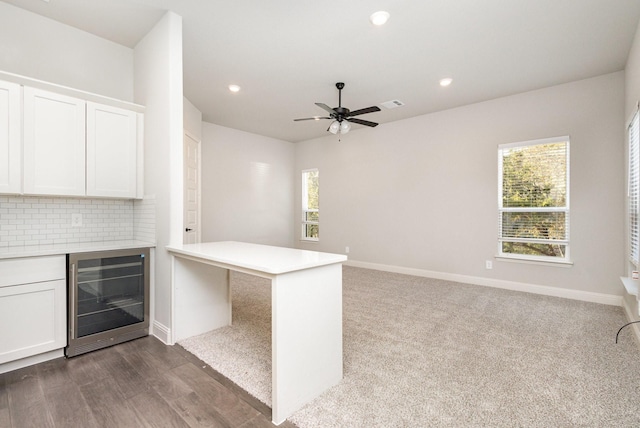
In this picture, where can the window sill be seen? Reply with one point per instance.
(631, 285)
(555, 263)
(310, 241)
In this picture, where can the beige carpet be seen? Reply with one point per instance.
(420, 352)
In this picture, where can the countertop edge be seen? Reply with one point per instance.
(331, 258)
(71, 248)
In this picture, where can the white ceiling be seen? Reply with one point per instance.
(287, 54)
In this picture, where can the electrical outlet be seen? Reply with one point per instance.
(346, 250)
(76, 220)
(488, 264)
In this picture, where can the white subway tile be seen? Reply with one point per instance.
(48, 220)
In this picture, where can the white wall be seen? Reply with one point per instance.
(158, 78)
(422, 193)
(43, 49)
(192, 120)
(247, 187)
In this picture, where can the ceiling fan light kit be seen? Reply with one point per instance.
(342, 116)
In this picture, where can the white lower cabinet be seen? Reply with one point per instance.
(33, 310)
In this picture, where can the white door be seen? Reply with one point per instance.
(10, 138)
(191, 190)
(54, 144)
(111, 151)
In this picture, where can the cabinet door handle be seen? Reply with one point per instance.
(188, 230)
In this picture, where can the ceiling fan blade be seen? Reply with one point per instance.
(311, 118)
(326, 107)
(362, 122)
(364, 111)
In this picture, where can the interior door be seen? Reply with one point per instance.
(191, 234)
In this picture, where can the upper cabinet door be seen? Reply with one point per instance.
(54, 144)
(10, 138)
(112, 151)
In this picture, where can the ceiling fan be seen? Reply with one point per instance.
(342, 116)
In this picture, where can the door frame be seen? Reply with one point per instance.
(195, 139)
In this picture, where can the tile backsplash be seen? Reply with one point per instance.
(144, 219)
(32, 220)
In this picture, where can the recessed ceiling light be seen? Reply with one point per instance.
(234, 88)
(446, 81)
(379, 18)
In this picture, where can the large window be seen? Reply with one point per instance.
(534, 200)
(310, 205)
(634, 190)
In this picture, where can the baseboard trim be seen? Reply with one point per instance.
(29, 361)
(636, 327)
(160, 331)
(586, 296)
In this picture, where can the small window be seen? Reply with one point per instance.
(310, 205)
(634, 191)
(534, 200)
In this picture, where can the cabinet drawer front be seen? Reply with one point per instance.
(32, 269)
(36, 316)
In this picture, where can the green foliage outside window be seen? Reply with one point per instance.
(534, 177)
(311, 205)
(312, 190)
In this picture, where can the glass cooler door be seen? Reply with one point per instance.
(110, 293)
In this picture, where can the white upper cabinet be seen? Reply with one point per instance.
(112, 151)
(64, 142)
(54, 143)
(10, 138)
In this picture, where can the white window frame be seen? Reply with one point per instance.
(633, 190)
(501, 209)
(306, 209)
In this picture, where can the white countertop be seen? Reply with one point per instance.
(57, 249)
(263, 258)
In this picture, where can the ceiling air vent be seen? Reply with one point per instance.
(392, 104)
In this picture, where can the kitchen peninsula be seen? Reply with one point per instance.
(306, 297)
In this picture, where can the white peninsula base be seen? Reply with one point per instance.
(306, 298)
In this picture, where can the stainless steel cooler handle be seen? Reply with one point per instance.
(72, 301)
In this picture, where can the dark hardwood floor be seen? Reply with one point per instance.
(142, 383)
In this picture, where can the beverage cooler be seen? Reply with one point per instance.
(108, 298)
